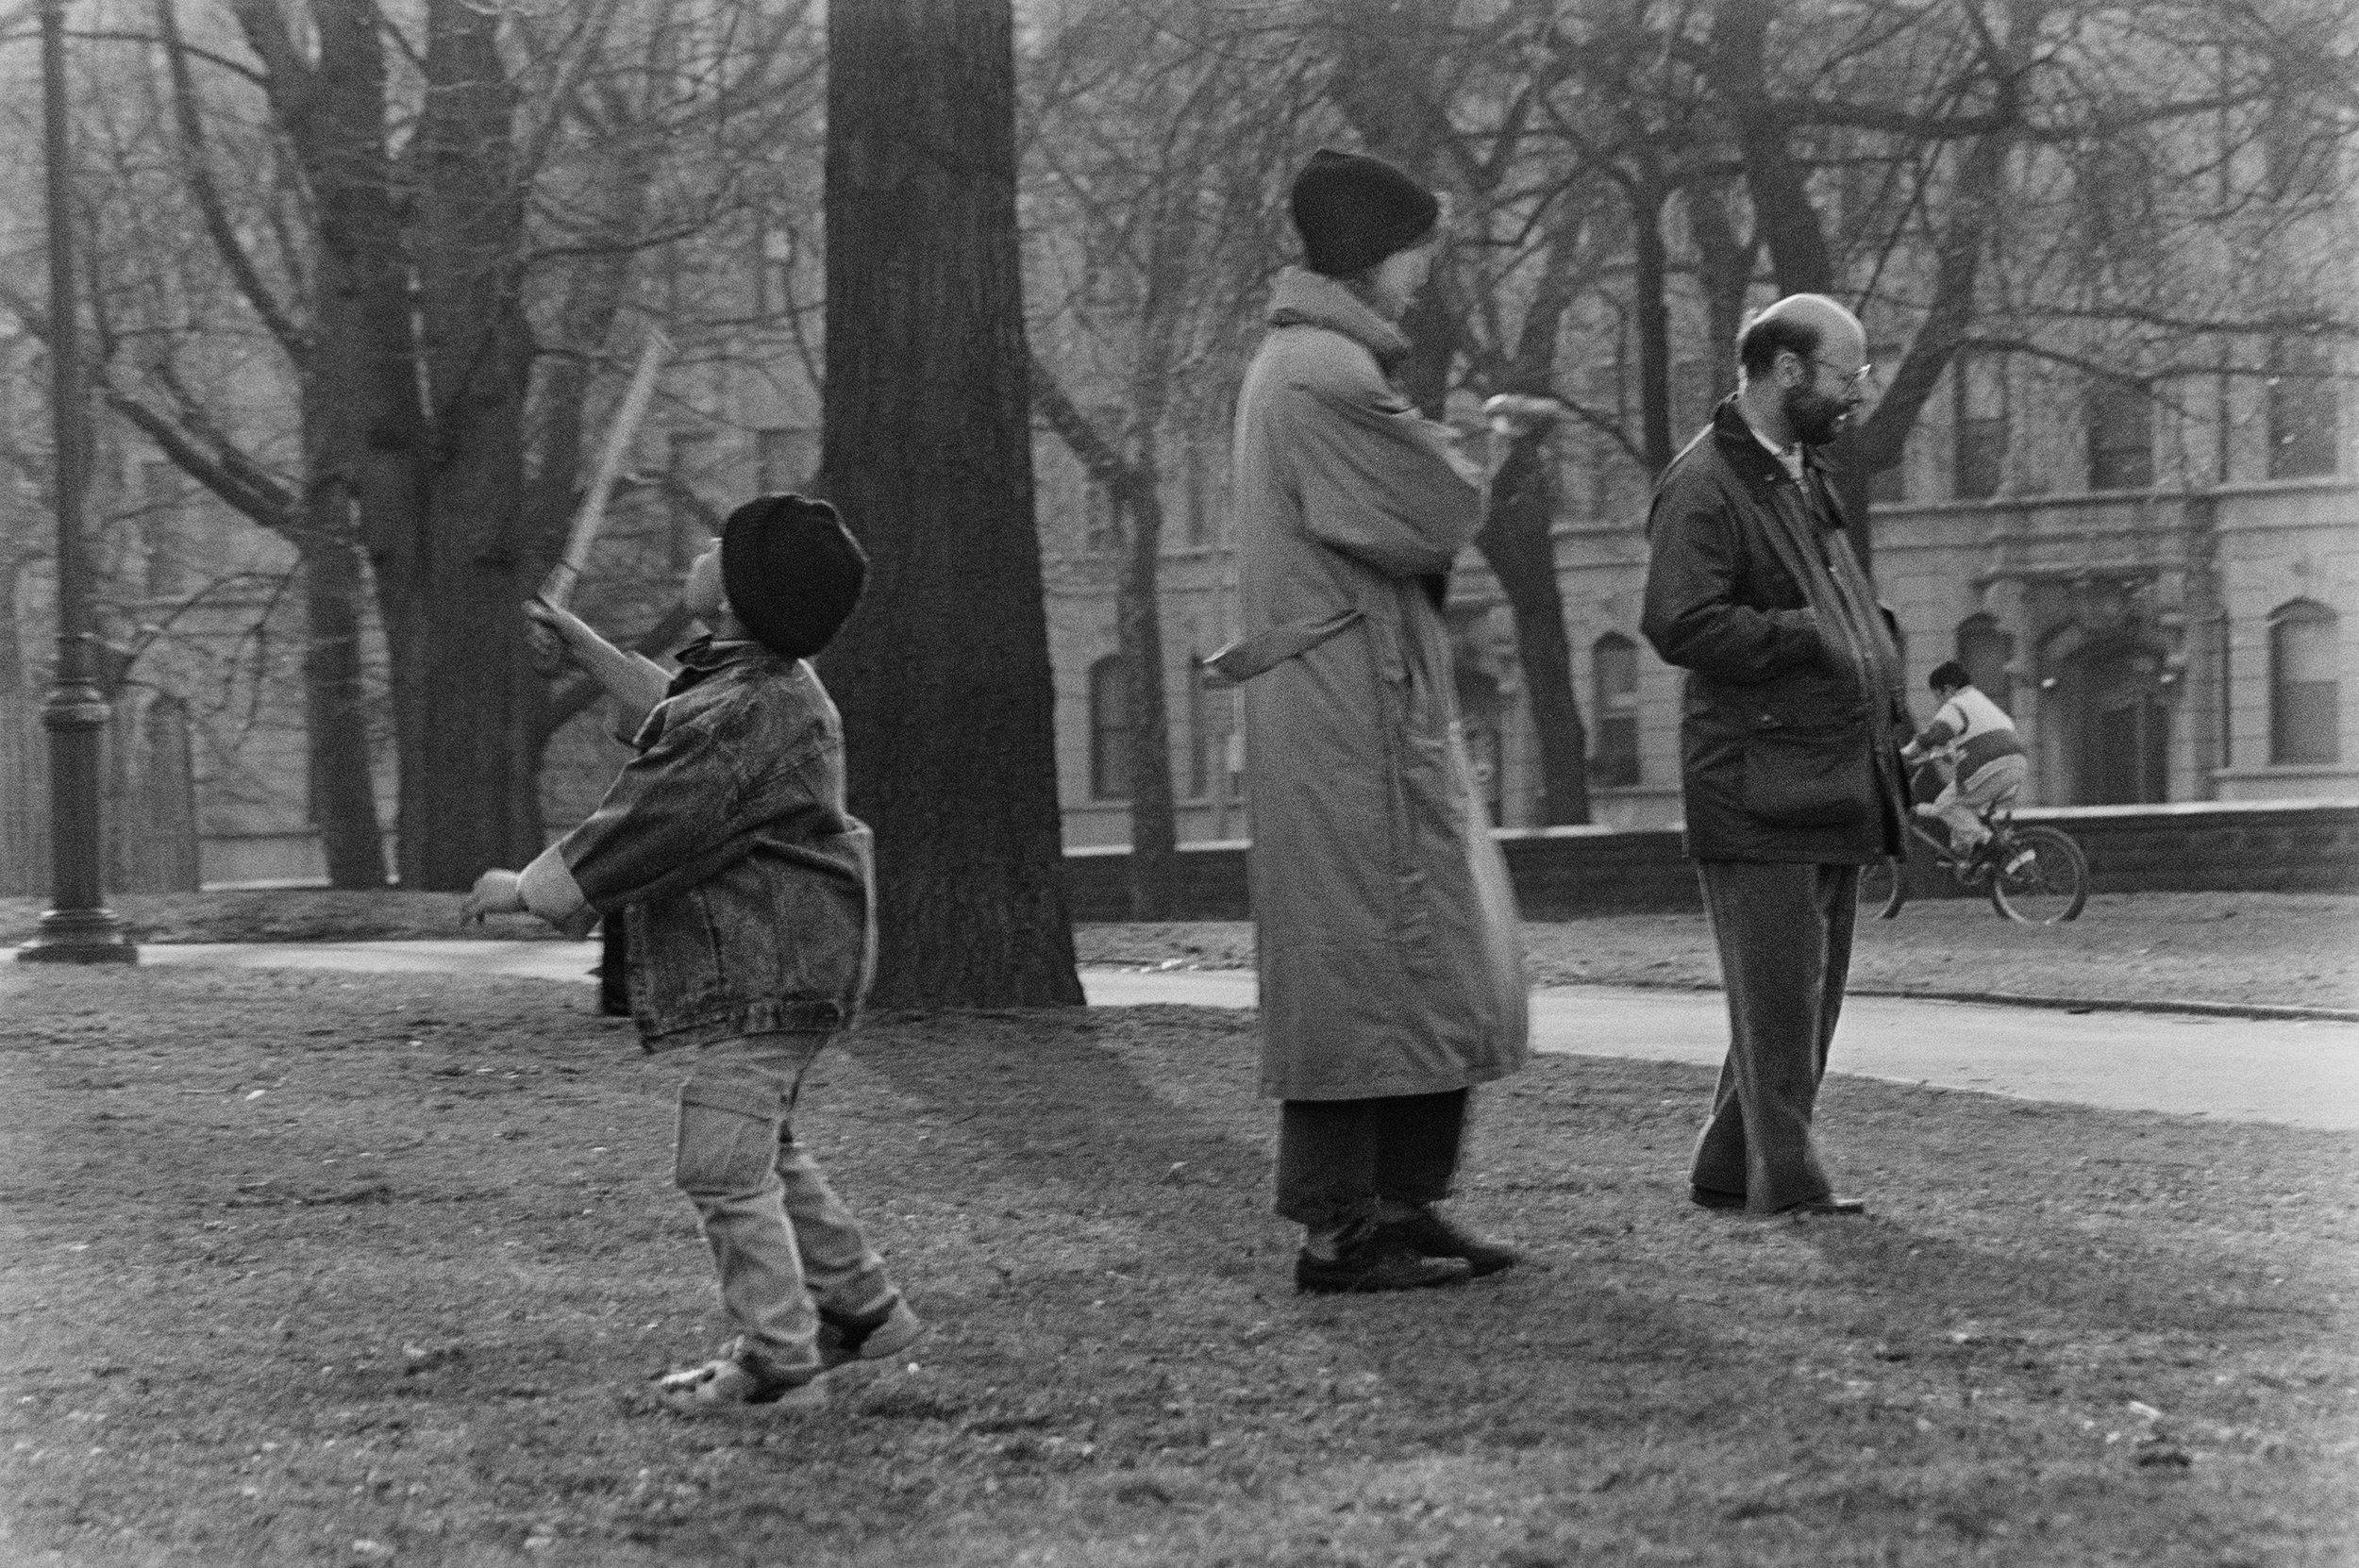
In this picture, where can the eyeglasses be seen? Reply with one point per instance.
(1860, 380)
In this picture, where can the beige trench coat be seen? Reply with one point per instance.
(1390, 959)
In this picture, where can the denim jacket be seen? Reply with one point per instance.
(750, 890)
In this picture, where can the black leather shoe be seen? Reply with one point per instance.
(1828, 1204)
(1431, 1235)
(1711, 1198)
(1371, 1260)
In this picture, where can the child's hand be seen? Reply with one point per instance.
(552, 637)
(495, 893)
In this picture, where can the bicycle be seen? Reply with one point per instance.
(2035, 875)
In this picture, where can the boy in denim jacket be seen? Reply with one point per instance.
(749, 893)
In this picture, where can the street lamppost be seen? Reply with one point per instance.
(78, 927)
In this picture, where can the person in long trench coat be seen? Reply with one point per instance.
(1392, 975)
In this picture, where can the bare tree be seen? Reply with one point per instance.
(944, 673)
(1159, 151)
(421, 188)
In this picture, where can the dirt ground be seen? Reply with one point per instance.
(2280, 949)
(302, 1267)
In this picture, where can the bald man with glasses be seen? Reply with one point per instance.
(1794, 710)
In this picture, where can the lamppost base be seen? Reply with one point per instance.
(79, 936)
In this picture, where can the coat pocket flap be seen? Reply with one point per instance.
(1240, 660)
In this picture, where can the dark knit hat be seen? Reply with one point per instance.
(1353, 211)
(792, 571)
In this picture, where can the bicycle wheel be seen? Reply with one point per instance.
(2049, 887)
(1883, 887)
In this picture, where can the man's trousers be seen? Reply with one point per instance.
(1784, 936)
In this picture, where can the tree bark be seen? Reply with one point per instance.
(943, 675)
(1724, 268)
(1139, 631)
(1516, 542)
(468, 798)
(1651, 272)
(1786, 220)
(335, 713)
(1134, 490)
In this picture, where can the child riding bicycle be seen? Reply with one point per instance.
(1975, 742)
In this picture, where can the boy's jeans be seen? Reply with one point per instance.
(1962, 802)
(782, 1242)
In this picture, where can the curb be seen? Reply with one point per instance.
(2075, 1004)
(2264, 1011)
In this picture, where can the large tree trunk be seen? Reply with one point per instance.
(468, 800)
(943, 675)
(1516, 542)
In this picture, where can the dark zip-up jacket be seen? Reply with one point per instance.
(1794, 705)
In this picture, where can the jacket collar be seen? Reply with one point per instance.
(1736, 435)
(1305, 298)
(708, 657)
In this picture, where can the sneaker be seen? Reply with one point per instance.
(1372, 1260)
(846, 1336)
(1431, 1235)
(737, 1380)
(2022, 862)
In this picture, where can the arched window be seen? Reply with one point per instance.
(1613, 673)
(1110, 730)
(1986, 651)
(2303, 692)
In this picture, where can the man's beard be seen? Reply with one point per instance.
(1813, 417)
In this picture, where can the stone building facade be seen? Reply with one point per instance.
(2191, 637)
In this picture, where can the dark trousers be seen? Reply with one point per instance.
(1784, 935)
(1339, 1160)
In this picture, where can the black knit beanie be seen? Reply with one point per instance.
(792, 571)
(1353, 211)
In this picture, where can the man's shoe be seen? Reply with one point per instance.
(1372, 1260)
(1711, 1198)
(1828, 1204)
(846, 1337)
(1431, 1235)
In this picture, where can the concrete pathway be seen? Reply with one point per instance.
(2298, 1073)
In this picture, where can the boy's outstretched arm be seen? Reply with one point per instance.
(634, 682)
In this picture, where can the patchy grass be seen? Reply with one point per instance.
(2280, 949)
(321, 1268)
(2275, 949)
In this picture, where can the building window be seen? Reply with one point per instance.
(1888, 485)
(1110, 730)
(2303, 409)
(1979, 395)
(2303, 692)
(1613, 672)
(1986, 651)
(2120, 422)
